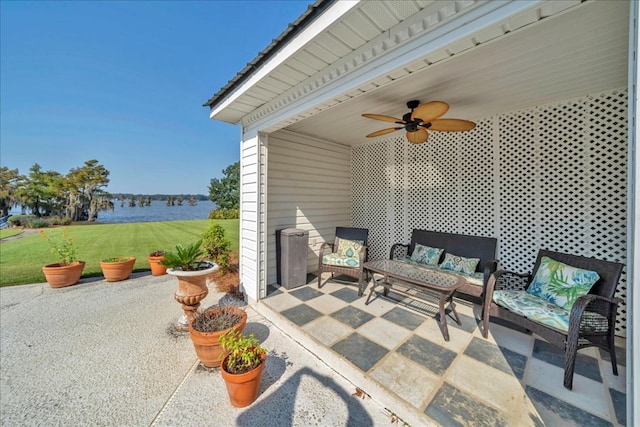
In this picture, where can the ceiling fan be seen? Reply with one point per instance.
(419, 119)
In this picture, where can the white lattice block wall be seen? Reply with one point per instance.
(551, 177)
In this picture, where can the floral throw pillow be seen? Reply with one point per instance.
(561, 284)
(348, 248)
(460, 264)
(426, 254)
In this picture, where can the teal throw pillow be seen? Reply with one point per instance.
(349, 248)
(561, 284)
(460, 264)
(426, 254)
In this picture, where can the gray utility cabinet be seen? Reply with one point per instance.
(291, 252)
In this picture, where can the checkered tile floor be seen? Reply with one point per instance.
(511, 378)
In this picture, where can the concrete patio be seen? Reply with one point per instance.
(101, 353)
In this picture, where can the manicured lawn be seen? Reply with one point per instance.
(21, 260)
(7, 232)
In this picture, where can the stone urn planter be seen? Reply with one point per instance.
(207, 327)
(242, 367)
(154, 259)
(117, 268)
(192, 288)
(61, 275)
(192, 274)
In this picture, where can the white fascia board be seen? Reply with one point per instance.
(488, 14)
(334, 13)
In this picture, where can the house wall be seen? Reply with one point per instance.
(551, 177)
(308, 187)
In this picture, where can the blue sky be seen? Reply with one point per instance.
(123, 82)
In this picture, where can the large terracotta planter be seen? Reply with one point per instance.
(157, 269)
(115, 271)
(207, 344)
(59, 276)
(192, 288)
(244, 388)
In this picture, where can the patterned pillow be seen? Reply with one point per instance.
(561, 284)
(348, 248)
(426, 254)
(458, 263)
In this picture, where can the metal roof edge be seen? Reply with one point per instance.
(312, 12)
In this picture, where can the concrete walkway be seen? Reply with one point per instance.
(106, 354)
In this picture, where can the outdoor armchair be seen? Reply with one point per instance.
(345, 256)
(567, 299)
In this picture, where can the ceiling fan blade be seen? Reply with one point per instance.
(383, 132)
(383, 118)
(430, 111)
(451, 125)
(418, 137)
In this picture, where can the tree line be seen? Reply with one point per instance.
(80, 194)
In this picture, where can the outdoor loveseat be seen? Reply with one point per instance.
(567, 299)
(453, 253)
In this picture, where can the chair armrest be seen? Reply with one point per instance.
(362, 255)
(504, 279)
(580, 320)
(396, 246)
(489, 268)
(324, 246)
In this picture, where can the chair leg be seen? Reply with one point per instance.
(570, 353)
(485, 321)
(612, 352)
(319, 279)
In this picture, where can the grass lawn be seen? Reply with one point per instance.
(21, 260)
(8, 232)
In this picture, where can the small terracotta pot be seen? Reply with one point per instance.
(244, 388)
(59, 276)
(157, 269)
(207, 344)
(119, 270)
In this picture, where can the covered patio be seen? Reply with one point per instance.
(549, 165)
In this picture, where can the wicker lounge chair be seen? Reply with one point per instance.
(591, 319)
(335, 263)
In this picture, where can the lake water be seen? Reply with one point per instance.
(158, 211)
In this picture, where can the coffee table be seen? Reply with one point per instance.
(414, 277)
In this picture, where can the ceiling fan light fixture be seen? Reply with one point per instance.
(418, 137)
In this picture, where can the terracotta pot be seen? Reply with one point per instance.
(192, 288)
(157, 269)
(244, 388)
(207, 344)
(118, 270)
(59, 276)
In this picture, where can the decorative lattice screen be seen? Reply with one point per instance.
(552, 177)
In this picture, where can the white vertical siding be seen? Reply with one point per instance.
(308, 187)
(249, 217)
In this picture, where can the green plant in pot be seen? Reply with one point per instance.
(242, 367)
(115, 269)
(207, 327)
(68, 270)
(154, 259)
(192, 271)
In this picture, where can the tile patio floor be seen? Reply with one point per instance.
(395, 345)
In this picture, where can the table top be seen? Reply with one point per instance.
(415, 274)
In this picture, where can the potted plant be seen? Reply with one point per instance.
(206, 328)
(192, 272)
(218, 248)
(154, 259)
(68, 270)
(242, 367)
(117, 268)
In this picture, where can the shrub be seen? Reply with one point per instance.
(20, 220)
(216, 246)
(224, 214)
(216, 319)
(37, 223)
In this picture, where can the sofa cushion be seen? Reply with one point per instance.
(341, 260)
(458, 263)
(533, 308)
(426, 254)
(561, 284)
(348, 248)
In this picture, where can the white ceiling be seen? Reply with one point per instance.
(566, 56)
(482, 58)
